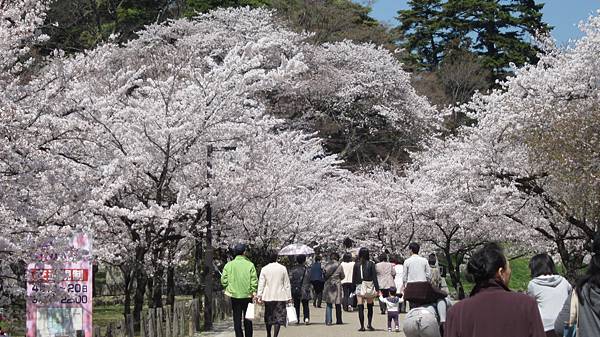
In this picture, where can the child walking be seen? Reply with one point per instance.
(392, 303)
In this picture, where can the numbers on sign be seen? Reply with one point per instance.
(77, 299)
(76, 288)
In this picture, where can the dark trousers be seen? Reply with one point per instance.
(348, 288)
(318, 287)
(551, 333)
(305, 308)
(382, 306)
(329, 314)
(239, 307)
(393, 316)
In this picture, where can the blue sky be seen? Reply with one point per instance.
(564, 15)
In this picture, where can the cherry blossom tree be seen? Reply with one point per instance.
(116, 140)
(30, 211)
(535, 143)
(360, 101)
(458, 204)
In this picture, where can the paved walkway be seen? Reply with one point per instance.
(317, 327)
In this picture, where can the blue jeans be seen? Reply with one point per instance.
(329, 314)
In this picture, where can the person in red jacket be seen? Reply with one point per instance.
(492, 310)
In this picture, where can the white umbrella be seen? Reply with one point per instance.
(296, 249)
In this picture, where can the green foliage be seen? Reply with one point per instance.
(76, 25)
(497, 31)
(421, 29)
(333, 20)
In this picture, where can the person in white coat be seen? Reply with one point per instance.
(347, 284)
(275, 291)
(398, 279)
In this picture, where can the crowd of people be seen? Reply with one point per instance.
(551, 306)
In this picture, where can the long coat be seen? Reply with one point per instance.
(385, 275)
(334, 274)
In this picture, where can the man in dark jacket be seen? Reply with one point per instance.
(318, 281)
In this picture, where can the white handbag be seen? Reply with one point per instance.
(255, 312)
(291, 314)
(250, 311)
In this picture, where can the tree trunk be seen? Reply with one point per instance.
(454, 271)
(126, 271)
(157, 288)
(572, 262)
(208, 272)
(140, 289)
(171, 285)
(150, 285)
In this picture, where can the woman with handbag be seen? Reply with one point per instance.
(580, 314)
(333, 292)
(275, 291)
(365, 278)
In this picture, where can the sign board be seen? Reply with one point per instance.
(70, 313)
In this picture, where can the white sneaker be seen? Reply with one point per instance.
(306, 321)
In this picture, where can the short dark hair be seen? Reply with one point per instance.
(334, 256)
(318, 258)
(272, 256)
(383, 258)
(414, 247)
(393, 291)
(301, 259)
(347, 257)
(239, 249)
(485, 262)
(432, 259)
(363, 253)
(542, 264)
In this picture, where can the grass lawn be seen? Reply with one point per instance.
(518, 282)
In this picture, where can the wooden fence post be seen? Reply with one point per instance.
(195, 314)
(168, 330)
(191, 329)
(143, 324)
(159, 322)
(151, 323)
(129, 325)
(175, 320)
